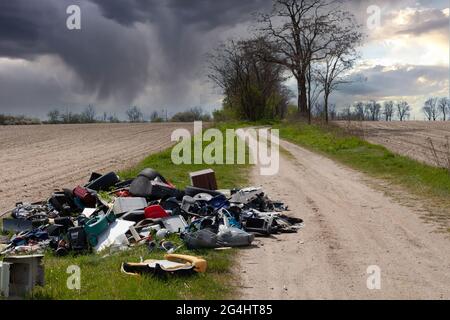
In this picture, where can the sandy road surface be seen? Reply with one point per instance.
(34, 160)
(348, 227)
(409, 138)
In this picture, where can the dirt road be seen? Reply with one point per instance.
(409, 138)
(34, 160)
(349, 226)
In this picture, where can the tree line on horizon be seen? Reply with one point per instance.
(133, 114)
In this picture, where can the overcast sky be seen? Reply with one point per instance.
(151, 53)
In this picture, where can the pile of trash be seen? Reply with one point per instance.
(110, 213)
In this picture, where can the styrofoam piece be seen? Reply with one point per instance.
(117, 228)
(87, 212)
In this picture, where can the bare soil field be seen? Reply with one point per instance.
(35, 160)
(410, 138)
(349, 226)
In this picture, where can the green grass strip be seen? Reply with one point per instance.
(101, 277)
(423, 180)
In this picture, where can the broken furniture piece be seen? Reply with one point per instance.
(205, 179)
(25, 272)
(174, 264)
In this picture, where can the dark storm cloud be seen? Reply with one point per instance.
(185, 31)
(109, 59)
(204, 14)
(124, 47)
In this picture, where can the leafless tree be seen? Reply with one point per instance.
(373, 110)
(347, 113)
(388, 110)
(359, 111)
(88, 115)
(430, 109)
(134, 114)
(314, 89)
(54, 116)
(332, 112)
(333, 70)
(444, 106)
(300, 32)
(155, 117)
(403, 110)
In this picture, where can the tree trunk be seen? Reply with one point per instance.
(302, 96)
(326, 106)
(309, 94)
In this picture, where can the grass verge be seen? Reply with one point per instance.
(100, 274)
(426, 182)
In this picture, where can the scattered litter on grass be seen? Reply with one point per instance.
(109, 215)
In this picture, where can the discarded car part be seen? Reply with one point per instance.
(27, 210)
(38, 220)
(66, 222)
(155, 212)
(219, 202)
(141, 186)
(123, 205)
(157, 267)
(160, 190)
(25, 273)
(174, 224)
(192, 191)
(175, 264)
(200, 265)
(189, 204)
(205, 179)
(56, 230)
(135, 216)
(104, 182)
(172, 204)
(260, 225)
(16, 225)
(63, 202)
(246, 195)
(206, 197)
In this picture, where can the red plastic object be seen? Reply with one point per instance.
(123, 194)
(155, 212)
(85, 196)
